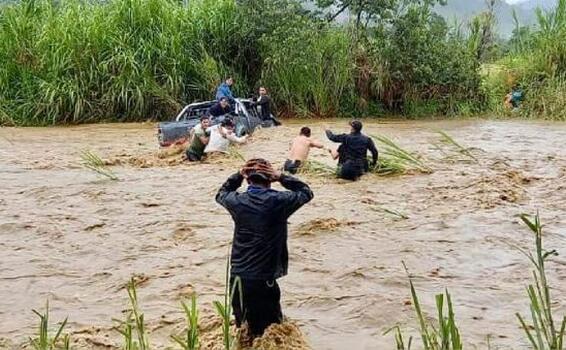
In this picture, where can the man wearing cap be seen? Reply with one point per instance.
(259, 249)
(353, 151)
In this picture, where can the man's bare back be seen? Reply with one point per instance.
(301, 146)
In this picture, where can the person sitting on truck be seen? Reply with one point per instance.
(199, 138)
(299, 151)
(221, 107)
(221, 135)
(225, 90)
(264, 105)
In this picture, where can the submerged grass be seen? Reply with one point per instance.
(46, 342)
(396, 160)
(93, 162)
(449, 140)
(224, 308)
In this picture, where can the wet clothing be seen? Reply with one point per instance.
(224, 90)
(259, 306)
(216, 110)
(219, 142)
(259, 249)
(353, 153)
(292, 166)
(196, 148)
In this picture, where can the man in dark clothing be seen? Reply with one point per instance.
(221, 107)
(264, 105)
(259, 249)
(353, 151)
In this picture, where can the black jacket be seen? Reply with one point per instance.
(259, 249)
(216, 110)
(354, 147)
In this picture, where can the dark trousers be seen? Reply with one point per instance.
(292, 166)
(193, 157)
(260, 304)
(351, 170)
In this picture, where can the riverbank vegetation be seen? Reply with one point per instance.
(132, 60)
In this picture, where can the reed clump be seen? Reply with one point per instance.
(44, 341)
(395, 160)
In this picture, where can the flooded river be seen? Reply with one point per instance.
(72, 237)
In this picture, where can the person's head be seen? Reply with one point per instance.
(224, 102)
(230, 81)
(356, 126)
(262, 91)
(205, 121)
(258, 172)
(305, 131)
(228, 124)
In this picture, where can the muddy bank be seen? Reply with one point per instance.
(69, 235)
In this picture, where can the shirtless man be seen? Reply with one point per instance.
(300, 150)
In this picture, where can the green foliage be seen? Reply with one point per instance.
(537, 62)
(93, 162)
(224, 308)
(394, 159)
(544, 333)
(191, 341)
(445, 335)
(44, 341)
(133, 329)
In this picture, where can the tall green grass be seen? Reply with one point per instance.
(133, 328)
(544, 332)
(191, 340)
(444, 335)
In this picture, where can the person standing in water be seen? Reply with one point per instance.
(299, 151)
(199, 137)
(353, 151)
(259, 249)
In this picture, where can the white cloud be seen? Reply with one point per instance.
(512, 2)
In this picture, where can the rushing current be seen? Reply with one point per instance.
(70, 236)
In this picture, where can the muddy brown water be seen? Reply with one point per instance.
(72, 237)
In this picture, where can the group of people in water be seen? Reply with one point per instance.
(351, 154)
(259, 253)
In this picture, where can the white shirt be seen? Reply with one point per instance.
(219, 143)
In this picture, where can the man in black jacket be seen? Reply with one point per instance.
(353, 151)
(259, 248)
(220, 108)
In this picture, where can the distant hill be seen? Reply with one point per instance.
(463, 10)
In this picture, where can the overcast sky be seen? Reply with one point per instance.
(514, 1)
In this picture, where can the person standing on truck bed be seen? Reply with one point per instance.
(220, 108)
(264, 106)
(225, 90)
(198, 140)
(353, 151)
(259, 249)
